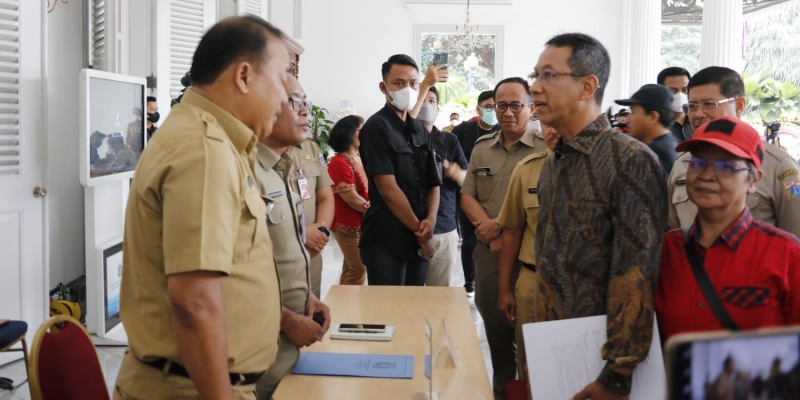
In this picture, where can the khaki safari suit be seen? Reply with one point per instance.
(194, 206)
(489, 189)
(308, 162)
(284, 220)
(520, 212)
(776, 200)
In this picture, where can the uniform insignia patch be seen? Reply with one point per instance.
(792, 190)
(306, 157)
(680, 182)
(533, 190)
(788, 172)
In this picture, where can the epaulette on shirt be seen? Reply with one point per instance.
(488, 136)
(534, 156)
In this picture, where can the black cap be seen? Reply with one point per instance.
(656, 96)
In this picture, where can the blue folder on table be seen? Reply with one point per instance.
(361, 365)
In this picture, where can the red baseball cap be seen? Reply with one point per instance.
(732, 135)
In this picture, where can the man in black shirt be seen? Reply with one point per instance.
(676, 79)
(454, 170)
(403, 185)
(650, 119)
(467, 134)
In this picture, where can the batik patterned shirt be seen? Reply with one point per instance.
(603, 214)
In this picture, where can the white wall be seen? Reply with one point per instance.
(65, 193)
(347, 40)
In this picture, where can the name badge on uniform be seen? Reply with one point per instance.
(276, 194)
(533, 190)
(302, 184)
(680, 182)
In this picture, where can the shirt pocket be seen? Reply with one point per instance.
(311, 171)
(253, 226)
(281, 212)
(531, 203)
(403, 164)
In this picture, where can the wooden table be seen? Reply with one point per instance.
(405, 308)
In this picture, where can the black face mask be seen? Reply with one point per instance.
(153, 117)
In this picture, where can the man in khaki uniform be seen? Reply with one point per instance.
(518, 217)
(200, 298)
(305, 319)
(716, 92)
(493, 159)
(310, 178)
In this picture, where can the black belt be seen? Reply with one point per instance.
(530, 267)
(177, 369)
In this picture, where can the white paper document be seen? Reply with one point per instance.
(564, 356)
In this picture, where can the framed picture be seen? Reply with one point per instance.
(112, 280)
(112, 126)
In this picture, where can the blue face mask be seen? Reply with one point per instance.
(489, 117)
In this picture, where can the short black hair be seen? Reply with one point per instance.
(486, 95)
(151, 99)
(399, 59)
(729, 81)
(341, 137)
(456, 114)
(229, 41)
(672, 71)
(514, 79)
(665, 114)
(589, 57)
(436, 92)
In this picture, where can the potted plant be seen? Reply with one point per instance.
(320, 128)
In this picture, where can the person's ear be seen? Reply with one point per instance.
(751, 187)
(243, 76)
(741, 103)
(589, 87)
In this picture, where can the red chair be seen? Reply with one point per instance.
(516, 390)
(64, 365)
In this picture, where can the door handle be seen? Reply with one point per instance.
(39, 192)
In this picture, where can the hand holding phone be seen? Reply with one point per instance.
(435, 73)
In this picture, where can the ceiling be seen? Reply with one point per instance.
(690, 12)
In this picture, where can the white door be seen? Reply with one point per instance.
(23, 288)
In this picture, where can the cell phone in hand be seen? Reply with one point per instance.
(440, 59)
(318, 318)
(325, 231)
(362, 328)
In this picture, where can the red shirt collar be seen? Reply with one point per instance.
(733, 234)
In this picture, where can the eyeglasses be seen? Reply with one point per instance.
(708, 105)
(299, 104)
(487, 107)
(515, 106)
(549, 76)
(723, 168)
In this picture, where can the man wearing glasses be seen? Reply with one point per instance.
(716, 92)
(304, 318)
(602, 213)
(403, 183)
(493, 159)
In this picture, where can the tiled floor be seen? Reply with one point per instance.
(111, 357)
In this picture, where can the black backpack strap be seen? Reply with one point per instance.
(704, 282)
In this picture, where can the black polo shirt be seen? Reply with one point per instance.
(683, 132)
(391, 146)
(447, 147)
(468, 133)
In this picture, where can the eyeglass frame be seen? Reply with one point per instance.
(514, 104)
(303, 104)
(533, 76)
(717, 171)
(707, 109)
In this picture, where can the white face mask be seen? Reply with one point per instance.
(453, 122)
(428, 113)
(678, 101)
(404, 99)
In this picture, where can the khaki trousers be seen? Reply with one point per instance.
(137, 381)
(354, 272)
(445, 253)
(499, 335)
(524, 296)
(284, 362)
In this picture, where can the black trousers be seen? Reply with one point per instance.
(385, 268)
(468, 243)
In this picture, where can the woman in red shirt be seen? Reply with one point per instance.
(753, 267)
(350, 194)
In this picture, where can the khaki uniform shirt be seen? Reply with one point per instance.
(309, 163)
(773, 202)
(490, 167)
(520, 209)
(194, 206)
(285, 222)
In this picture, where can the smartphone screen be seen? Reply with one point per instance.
(365, 328)
(747, 366)
(439, 59)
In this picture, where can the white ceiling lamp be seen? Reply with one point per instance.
(468, 38)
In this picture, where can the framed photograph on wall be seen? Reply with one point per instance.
(112, 126)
